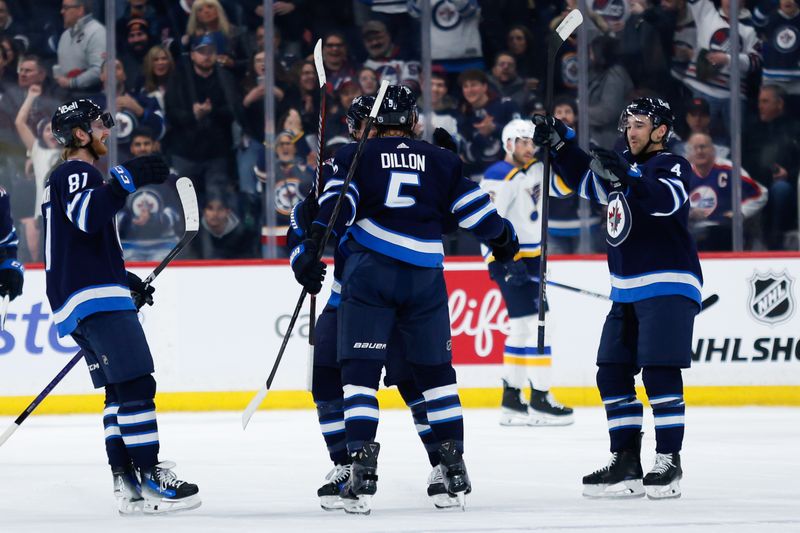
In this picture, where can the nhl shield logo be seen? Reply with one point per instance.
(771, 297)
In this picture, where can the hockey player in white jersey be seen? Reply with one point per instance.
(515, 185)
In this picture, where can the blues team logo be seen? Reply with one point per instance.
(618, 219)
(771, 297)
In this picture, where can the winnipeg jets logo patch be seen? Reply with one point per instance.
(618, 219)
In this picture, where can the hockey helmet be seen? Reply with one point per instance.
(658, 110)
(399, 107)
(516, 129)
(77, 114)
(358, 111)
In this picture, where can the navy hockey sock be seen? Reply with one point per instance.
(115, 448)
(137, 420)
(416, 402)
(623, 409)
(360, 378)
(328, 397)
(438, 385)
(664, 387)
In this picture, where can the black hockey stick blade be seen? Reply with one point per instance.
(708, 302)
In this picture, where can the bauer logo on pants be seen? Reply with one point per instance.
(771, 297)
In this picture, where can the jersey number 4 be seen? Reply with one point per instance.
(396, 181)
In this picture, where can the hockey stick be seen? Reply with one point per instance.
(705, 304)
(555, 40)
(262, 392)
(3, 312)
(188, 200)
(312, 307)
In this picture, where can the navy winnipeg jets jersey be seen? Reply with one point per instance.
(83, 258)
(651, 252)
(400, 200)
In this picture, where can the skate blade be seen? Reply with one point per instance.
(513, 418)
(165, 505)
(540, 419)
(128, 507)
(630, 488)
(362, 505)
(331, 503)
(663, 492)
(462, 500)
(445, 501)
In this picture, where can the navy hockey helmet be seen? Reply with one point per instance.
(399, 107)
(658, 110)
(77, 114)
(358, 111)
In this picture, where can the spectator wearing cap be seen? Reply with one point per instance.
(141, 10)
(455, 36)
(81, 49)
(698, 120)
(394, 15)
(483, 116)
(222, 233)
(201, 105)
(507, 82)
(208, 18)
(386, 58)
(137, 43)
(335, 60)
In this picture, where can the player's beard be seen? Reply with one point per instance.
(99, 147)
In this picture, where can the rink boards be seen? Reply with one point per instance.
(216, 329)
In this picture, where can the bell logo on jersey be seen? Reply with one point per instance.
(771, 297)
(618, 219)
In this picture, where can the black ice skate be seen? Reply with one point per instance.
(330, 493)
(454, 472)
(437, 491)
(127, 490)
(546, 411)
(663, 481)
(357, 493)
(622, 478)
(163, 492)
(513, 410)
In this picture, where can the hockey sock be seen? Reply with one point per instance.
(521, 358)
(438, 386)
(327, 392)
(115, 448)
(416, 402)
(360, 378)
(623, 409)
(664, 386)
(137, 420)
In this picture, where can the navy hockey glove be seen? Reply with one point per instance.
(300, 220)
(308, 270)
(443, 139)
(551, 131)
(11, 278)
(138, 172)
(611, 166)
(506, 245)
(140, 292)
(516, 273)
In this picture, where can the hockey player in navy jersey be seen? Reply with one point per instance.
(515, 186)
(655, 290)
(401, 195)
(326, 387)
(95, 301)
(11, 270)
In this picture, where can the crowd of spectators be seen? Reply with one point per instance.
(189, 78)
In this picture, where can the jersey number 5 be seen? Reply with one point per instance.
(396, 181)
(76, 183)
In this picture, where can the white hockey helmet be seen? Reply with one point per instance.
(516, 129)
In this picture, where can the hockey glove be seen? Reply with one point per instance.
(516, 273)
(551, 131)
(611, 166)
(443, 139)
(138, 172)
(140, 292)
(11, 278)
(506, 245)
(308, 270)
(300, 220)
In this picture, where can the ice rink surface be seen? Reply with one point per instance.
(741, 474)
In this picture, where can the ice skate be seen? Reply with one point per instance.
(127, 490)
(330, 493)
(163, 492)
(437, 491)
(621, 478)
(454, 472)
(546, 411)
(663, 481)
(514, 411)
(363, 483)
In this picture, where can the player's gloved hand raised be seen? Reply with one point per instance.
(140, 292)
(300, 220)
(506, 245)
(611, 166)
(308, 270)
(551, 131)
(443, 139)
(516, 273)
(11, 278)
(138, 172)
